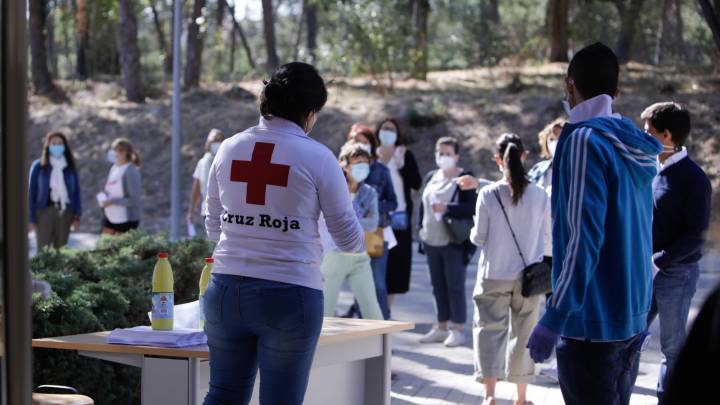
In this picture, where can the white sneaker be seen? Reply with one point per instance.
(456, 338)
(435, 336)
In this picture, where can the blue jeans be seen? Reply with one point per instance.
(601, 373)
(673, 289)
(379, 273)
(447, 275)
(252, 323)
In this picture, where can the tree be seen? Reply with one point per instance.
(82, 35)
(162, 42)
(660, 34)
(629, 11)
(420, 13)
(269, 28)
(487, 33)
(312, 29)
(712, 17)
(557, 25)
(50, 38)
(129, 51)
(193, 65)
(41, 78)
(239, 31)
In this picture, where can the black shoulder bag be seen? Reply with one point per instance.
(537, 277)
(458, 228)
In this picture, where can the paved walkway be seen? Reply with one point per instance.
(433, 374)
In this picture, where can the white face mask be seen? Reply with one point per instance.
(387, 138)
(214, 147)
(445, 162)
(552, 145)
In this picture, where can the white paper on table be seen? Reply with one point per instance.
(389, 237)
(185, 316)
(191, 229)
(101, 198)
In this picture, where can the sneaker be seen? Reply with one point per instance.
(456, 338)
(435, 336)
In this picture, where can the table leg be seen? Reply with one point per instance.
(377, 376)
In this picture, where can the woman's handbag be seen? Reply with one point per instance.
(537, 277)
(375, 243)
(458, 228)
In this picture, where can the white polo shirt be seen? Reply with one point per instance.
(266, 190)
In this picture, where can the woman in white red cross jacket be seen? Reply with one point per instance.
(267, 187)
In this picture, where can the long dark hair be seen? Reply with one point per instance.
(511, 148)
(401, 139)
(45, 156)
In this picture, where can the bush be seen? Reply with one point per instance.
(103, 289)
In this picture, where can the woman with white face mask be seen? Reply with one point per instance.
(337, 266)
(121, 199)
(541, 173)
(200, 176)
(400, 161)
(55, 203)
(447, 258)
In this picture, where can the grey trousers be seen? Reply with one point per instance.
(53, 227)
(502, 316)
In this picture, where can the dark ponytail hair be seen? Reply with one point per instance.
(511, 149)
(293, 91)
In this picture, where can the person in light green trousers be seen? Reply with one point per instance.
(353, 267)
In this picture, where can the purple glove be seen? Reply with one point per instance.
(541, 343)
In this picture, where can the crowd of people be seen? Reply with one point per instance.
(607, 230)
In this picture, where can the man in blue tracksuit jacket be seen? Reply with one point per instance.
(602, 206)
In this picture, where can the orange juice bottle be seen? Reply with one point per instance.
(163, 299)
(204, 280)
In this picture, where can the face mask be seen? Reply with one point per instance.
(444, 162)
(111, 156)
(214, 147)
(360, 171)
(566, 107)
(552, 145)
(387, 138)
(366, 147)
(56, 150)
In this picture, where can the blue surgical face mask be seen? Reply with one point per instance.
(387, 138)
(214, 147)
(360, 171)
(111, 156)
(56, 150)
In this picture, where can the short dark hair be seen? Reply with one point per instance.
(449, 140)
(595, 71)
(293, 91)
(669, 116)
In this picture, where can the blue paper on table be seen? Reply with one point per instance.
(146, 336)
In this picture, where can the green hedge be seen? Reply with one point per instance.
(103, 289)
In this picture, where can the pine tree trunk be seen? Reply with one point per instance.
(312, 29)
(629, 22)
(557, 23)
(50, 42)
(298, 33)
(489, 20)
(712, 17)
(233, 42)
(241, 34)
(660, 34)
(162, 42)
(129, 51)
(421, 10)
(193, 65)
(269, 29)
(41, 78)
(82, 36)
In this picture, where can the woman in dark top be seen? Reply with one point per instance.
(447, 259)
(379, 178)
(400, 161)
(55, 203)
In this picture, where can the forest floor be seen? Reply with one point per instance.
(474, 105)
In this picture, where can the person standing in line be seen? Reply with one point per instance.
(267, 188)
(500, 308)
(121, 199)
(447, 259)
(54, 193)
(681, 217)
(602, 240)
(395, 155)
(381, 180)
(200, 175)
(338, 266)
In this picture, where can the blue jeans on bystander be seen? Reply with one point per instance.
(673, 289)
(253, 323)
(379, 272)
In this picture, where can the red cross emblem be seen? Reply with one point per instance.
(259, 173)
